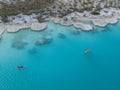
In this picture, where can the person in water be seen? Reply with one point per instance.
(20, 67)
(87, 51)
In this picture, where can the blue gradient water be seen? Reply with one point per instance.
(62, 64)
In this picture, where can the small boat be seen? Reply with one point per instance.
(87, 51)
(20, 67)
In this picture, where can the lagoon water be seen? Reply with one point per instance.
(62, 63)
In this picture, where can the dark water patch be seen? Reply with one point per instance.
(33, 50)
(75, 32)
(102, 29)
(43, 41)
(0, 38)
(61, 35)
(107, 29)
(93, 32)
(89, 56)
(19, 44)
(51, 30)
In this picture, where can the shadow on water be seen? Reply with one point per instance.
(89, 56)
(93, 62)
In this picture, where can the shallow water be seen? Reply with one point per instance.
(62, 63)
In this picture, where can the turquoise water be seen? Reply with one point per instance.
(61, 64)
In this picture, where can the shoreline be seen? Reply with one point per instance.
(13, 28)
(36, 26)
(77, 23)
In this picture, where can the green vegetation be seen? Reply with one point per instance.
(95, 13)
(27, 7)
(47, 7)
(40, 19)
